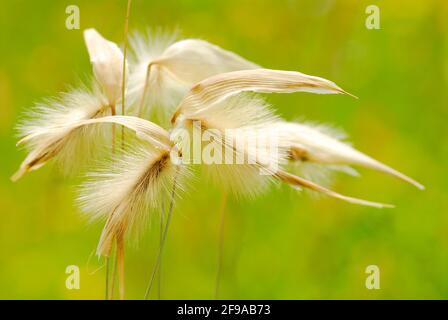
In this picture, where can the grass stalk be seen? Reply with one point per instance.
(107, 260)
(113, 112)
(125, 51)
(113, 276)
(120, 265)
(107, 294)
(163, 240)
(159, 273)
(221, 243)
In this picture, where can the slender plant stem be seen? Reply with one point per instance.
(113, 112)
(159, 274)
(107, 278)
(125, 50)
(114, 276)
(119, 256)
(120, 265)
(162, 244)
(222, 220)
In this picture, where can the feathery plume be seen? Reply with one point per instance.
(123, 191)
(122, 194)
(311, 144)
(212, 101)
(222, 86)
(52, 130)
(164, 70)
(235, 130)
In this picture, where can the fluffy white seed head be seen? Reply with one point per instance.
(212, 95)
(50, 130)
(164, 70)
(222, 86)
(236, 129)
(315, 144)
(124, 192)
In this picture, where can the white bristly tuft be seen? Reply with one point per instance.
(127, 190)
(222, 86)
(164, 70)
(238, 128)
(50, 130)
(216, 102)
(315, 145)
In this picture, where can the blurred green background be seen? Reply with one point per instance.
(283, 245)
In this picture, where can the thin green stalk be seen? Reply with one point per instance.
(113, 112)
(107, 279)
(159, 274)
(120, 265)
(221, 243)
(162, 244)
(114, 277)
(123, 83)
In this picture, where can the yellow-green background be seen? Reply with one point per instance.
(282, 245)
